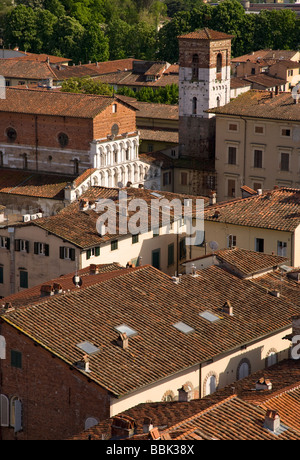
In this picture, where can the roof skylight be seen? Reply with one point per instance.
(87, 347)
(183, 327)
(209, 316)
(128, 330)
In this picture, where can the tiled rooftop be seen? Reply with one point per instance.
(262, 104)
(265, 54)
(35, 101)
(265, 80)
(248, 262)
(206, 34)
(29, 183)
(79, 227)
(149, 302)
(231, 408)
(26, 69)
(278, 209)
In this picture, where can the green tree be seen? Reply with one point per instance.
(45, 22)
(86, 85)
(94, 44)
(20, 28)
(118, 34)
(67, 35)
(142, 41)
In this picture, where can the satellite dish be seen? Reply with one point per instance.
(213, 245)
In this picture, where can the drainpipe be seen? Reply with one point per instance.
(245, 147)
(36, 144)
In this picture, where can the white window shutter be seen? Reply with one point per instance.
(2, 347)
(4, 410)
(18, 415)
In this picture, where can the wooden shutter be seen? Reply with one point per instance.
(97, 251)
(36, 247)
(46, 249)
(17, 245)
(72, 252)
(88, 253)
(61, 252)
(4, 410)
(8, 243)
(27, 246)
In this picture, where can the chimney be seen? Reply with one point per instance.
(227, 308)
(122, 427)
(94, 270)
(263, 384)
(147, 425)
(84, 204)
(272, 420)
(122, 340)
(47, 290)
(259, 191)
(57, 288)
(212, 197)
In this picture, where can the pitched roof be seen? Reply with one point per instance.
(21, 68)
(247, 262)
(30, 183)
(79, 227)
(159, 135)
(206, 34)
(149, 302)
(262, 104)
(36, 101)
(264, 80)
(265, 54)
(278, 209)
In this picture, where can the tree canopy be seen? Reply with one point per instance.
(90, 30)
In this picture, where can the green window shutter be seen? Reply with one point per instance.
(61, 252)
(97, 251)
(46, 249)
(16, 359)
(171, 254)
(88, 253)
(23, 279)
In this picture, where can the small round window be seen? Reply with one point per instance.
(63, 139)
(11, 134)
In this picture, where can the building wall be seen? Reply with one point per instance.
(56, 400)
(270, 141)
(245, 238)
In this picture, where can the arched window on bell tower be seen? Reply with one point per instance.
(194, 108)
(219, 63)
(195, 65)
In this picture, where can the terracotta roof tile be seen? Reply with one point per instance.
(35, 101)
(262, 104)
(206, 34)
(278, 209)
(148, 301)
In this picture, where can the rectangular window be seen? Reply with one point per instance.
(92, 252)
(258, 155)
(23, 279)
(16, 359)
(114, 245)
(135, 238)
(257, 186)
(4, 242)
(171, 254)
(66, 253)
(231, 188)
(286, 132)
(156, 258)
(259, 129)
(183, 178)
(22, 245)
(155, 232)
(231, 241)
(285, 162)
(41, 249)
(281, 248)
(1, 275)
(182, 249)
(259, 244)
(233, 127)
(150, 148)
(167, 178)
(232, 155)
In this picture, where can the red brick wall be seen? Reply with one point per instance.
(124, 117)
(56, 400)
(207, 52)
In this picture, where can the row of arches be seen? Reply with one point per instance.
(116, 153)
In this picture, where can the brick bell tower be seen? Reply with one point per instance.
(204, 83)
